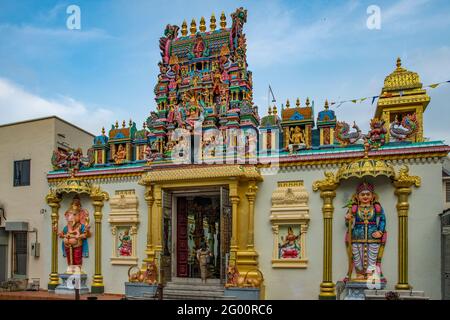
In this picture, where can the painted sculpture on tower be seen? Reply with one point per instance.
(75, 234)
(405, 128)
(366, 235)
(72, 160)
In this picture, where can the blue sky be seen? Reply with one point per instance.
(319, 49)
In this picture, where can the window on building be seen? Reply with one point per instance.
(447, 191)
(20, 244)
(22, 173)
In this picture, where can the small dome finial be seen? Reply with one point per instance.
(124, 124)
(223, 20)
(275, 109)
(326, 104)
(270, 111)
(103, 131)
(399, 62)
(193, 27)
(297, 103)
(117, 124)
(288, 104)
(202, 24)
(212, 21)
(184, 30)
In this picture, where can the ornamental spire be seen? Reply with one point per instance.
(193, 27)
(212, 21)
(202, 24)
(223, 20)
(184, 29)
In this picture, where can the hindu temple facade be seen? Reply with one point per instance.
(288, 204)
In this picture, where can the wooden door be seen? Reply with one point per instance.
(182, 238)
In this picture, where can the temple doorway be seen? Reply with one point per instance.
(196, 219)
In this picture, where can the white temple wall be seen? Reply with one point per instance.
(424, 233)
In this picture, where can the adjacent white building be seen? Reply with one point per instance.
(25, 151)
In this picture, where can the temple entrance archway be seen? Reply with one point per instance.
(238, 183)
(195, 218)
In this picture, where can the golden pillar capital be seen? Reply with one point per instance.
(403, 183)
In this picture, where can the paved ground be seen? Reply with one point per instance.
(44, 295)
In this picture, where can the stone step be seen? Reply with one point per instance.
(175, 296)
(194, 288)
(194, 292)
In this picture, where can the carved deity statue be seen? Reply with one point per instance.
(75, 234)
(366, 234)
(199, 47)
(296, 136)
(121, 155)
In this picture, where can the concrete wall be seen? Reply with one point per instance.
(33, 140)
(73, 136)
(424, 234)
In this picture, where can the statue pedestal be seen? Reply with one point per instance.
(72, 281)
(355, 290)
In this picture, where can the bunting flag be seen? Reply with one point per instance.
(373, 99)
(384, 95)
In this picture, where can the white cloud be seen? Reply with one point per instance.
(52, 33)
(401, 9)
(17, 104)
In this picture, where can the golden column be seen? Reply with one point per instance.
(150, 200)
(327, 189)
(251, 196)
(158, 219)
(234, 198)
(53, 200)
(403, 183)
(98, 197)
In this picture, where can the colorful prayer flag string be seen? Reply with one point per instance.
(385, 95)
